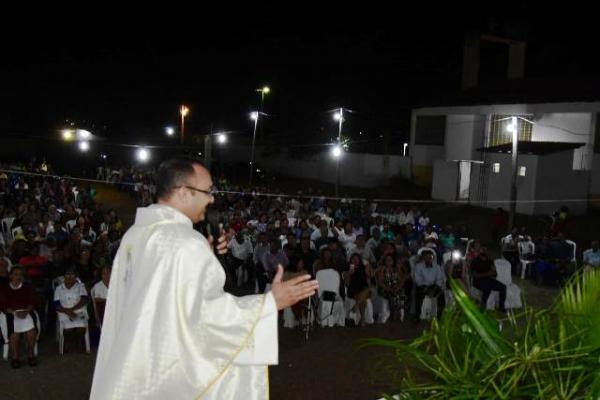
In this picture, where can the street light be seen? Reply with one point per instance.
(404, 149)
(170, 131)
(184, 112)
(336, 151)
(83, 134)
(253, 116)
(221, 138)
(67, 134)
(143, 155)
(84, 146)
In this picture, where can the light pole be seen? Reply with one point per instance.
(263, 91)
(184, 112)
(339, 116)
(254, 115)
(514, 129)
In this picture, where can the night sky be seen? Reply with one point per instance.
(126, 83)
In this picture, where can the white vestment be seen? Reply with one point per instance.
(170, 331)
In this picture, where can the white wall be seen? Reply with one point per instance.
(499, 184)
(445, 180)
(595, 179)
(426, 155)
(464, 134)
(567, 127)
(556, 181)
(358, 170)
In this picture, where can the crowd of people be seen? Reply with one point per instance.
(56, 246)
(58, 242)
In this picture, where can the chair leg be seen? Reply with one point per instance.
(61, 341)
(87, 340)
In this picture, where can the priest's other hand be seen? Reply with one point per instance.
(222, 242)
(290, 292)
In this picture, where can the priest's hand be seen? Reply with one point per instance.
(290, 292)
(222, 242)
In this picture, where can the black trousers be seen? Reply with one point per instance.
(486, 285)
(432, 290)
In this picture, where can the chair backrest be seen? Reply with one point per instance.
(16, 231)
(504, 241)
(503, 268)
(71, 224)
(469, 244)
(574, 246)
(329, 280)
(7, 224)
(526, 247)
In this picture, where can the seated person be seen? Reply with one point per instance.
(429, 280)
(70, 301)
(358, 286)
(18, 302)
(484, 278)
(591, 257)
(391, 280)
(100, 294)
(34, 264)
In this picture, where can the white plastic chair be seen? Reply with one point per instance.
(524, 249)
(71, 224)
(381, 306)
(6, 225)
(96, 316)
(574, 245)
(513, 292)
(61, 334)
(355, 316)
(4, 331)
(16, 231)
(330, 313)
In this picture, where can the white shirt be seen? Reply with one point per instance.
(100, 291)
(424, 221)
(432, 235)
(69, 297)
(346, 240)
(241, 251)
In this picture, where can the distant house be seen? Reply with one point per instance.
(463, 151)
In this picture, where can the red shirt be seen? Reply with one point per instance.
(17, 299)
(34, 265)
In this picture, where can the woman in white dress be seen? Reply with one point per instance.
(70, 300)
(19, 301)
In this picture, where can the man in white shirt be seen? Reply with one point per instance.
(429, 280)
(347, 237)
(241, 250)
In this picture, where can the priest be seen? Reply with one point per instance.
(170, 331)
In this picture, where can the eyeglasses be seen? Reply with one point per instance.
(212, 192)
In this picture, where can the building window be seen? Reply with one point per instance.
(496, 168)
(430, 130)
(522, 170)
(500, 132)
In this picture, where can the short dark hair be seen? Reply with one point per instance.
(172, 173)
